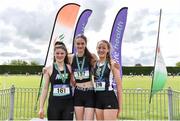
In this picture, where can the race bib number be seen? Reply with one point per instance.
(100, 86)
(76, 75)
(61, 90)
(86, 74)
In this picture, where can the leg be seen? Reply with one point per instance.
(68, 115)
(111, 107)
(53, 113)
(79, 112)
(89, 105)
(89, 113)
(68, 112)
(110, 114)
(78, 104)
(99, 114)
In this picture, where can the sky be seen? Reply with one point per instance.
(26, 26)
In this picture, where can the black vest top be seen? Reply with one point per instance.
(105, 76)
(60, 89)
(86, 72)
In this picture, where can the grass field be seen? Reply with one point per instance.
(135, 103)
(129, 82)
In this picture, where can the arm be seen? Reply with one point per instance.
(70, 57)
(44, 93)
(116, 74)
(92, 69)
(72, 80)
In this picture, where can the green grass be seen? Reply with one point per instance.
(145, 82)
(19, 81)
(132, 108)
(22, 81)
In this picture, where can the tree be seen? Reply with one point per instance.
(138, 65)
(5, 63)
(18, 62)
(178, 64)
(34, 63)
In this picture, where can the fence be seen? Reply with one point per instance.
(19, 103)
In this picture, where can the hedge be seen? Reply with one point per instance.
(11, 69)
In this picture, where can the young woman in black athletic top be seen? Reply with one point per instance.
(82, 64)
(60, 106)
(108, 105)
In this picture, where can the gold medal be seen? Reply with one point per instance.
(80, 77)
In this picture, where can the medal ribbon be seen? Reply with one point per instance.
(63, 76)
(102, 72)
(80, 69)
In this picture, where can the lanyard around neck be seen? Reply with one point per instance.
(80, 69)
(103, 70)
(63, 76)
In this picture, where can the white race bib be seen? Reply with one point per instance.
(86, 74)
(76, 75)
(61, 90)
(100, 86)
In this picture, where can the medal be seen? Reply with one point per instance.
(80, 68)
(80, 77)
(100, 72)
(63, 76)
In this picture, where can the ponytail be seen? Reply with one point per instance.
(108, 58)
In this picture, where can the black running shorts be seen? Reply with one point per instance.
(106, 100)
(83, 97)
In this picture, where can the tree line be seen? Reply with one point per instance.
(21, 63)
(140, 65)
(35, 63)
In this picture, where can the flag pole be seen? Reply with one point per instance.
(155, 54)
(39, 90)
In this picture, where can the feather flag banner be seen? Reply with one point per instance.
(116, 38)
(117, 35)
(63, 29)
(160, 72)
(81, 23)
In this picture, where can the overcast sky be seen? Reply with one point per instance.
(26, 25)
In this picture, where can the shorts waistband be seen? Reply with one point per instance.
(84, 89)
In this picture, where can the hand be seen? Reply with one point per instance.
(73, 82)
(44, 70)
(41, 113)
